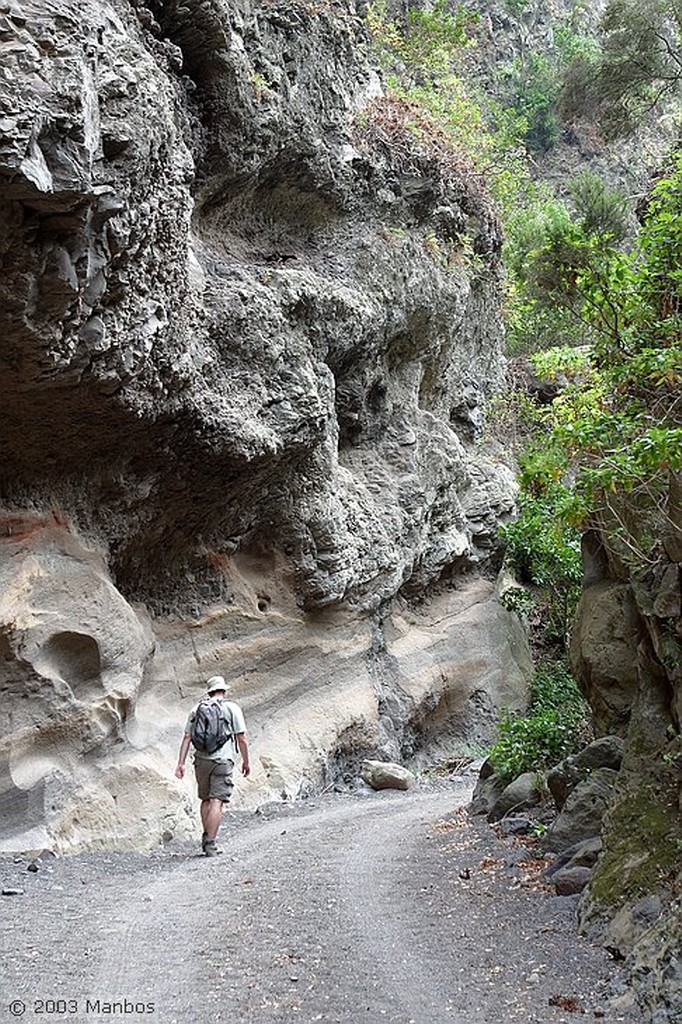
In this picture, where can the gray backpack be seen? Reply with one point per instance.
(210, 731)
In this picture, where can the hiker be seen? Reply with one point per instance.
(216, 729)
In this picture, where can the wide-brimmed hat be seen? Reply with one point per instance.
(215, 683)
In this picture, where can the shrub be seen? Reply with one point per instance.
(547, 249)
(601, 210)
(541, 547)
(544, 550)
(518, 600)
(556, 726)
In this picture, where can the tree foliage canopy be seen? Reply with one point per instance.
(614, 434)
(640, 65)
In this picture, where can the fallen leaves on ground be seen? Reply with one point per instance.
(459, 819)
(567, 1003)
(534, 874)
(490, 864)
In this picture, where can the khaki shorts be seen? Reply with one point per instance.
(214, 779)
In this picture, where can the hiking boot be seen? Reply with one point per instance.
(211, 848)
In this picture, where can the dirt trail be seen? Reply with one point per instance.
(392, 907)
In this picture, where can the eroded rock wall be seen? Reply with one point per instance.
(627, 652)
(94, 694)
(247, 319)
(225, 314)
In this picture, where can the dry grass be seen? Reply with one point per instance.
(408, 137)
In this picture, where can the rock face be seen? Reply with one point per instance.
(234, 312)
(249, 323)
(641, 859)
(605, 653)
(91, 731)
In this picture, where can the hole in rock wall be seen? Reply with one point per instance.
(341, 767)
(20, 809)
(376, 397)
(74, 658)
(6, 652)
(453, 720)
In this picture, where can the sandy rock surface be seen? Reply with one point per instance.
(94, 693)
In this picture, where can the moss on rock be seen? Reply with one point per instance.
(642, 852)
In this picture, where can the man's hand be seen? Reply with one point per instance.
(182, 756)
(244, 751)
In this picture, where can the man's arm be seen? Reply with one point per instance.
(244, 751)
(182, 756)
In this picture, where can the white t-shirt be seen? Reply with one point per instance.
(234, 716)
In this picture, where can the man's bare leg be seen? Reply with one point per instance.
(211, 816)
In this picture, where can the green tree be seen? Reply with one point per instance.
(614, 435)
(535, 84)
(600, 210)
(639, 66)
(549, 248)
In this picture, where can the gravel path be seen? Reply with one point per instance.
(391, 907)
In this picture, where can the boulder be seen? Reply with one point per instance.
(583, 854)
(486, 794)
(571, 870)
(386, 775)
(582, 814)
(605, 752)
(571, 880)
(515, 825)
(525, 791)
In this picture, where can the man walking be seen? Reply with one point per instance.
(214, 770)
